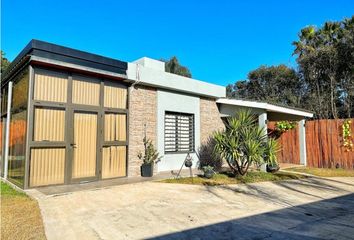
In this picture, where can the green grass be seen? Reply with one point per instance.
(7, 191)
(227, 178)
(324, 172)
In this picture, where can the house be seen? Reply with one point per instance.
(69, 116)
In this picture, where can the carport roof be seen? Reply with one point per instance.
(265, 106)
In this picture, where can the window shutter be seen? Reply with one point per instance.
(179, 132)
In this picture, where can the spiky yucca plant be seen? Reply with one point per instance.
(271, 147)
(241, 143)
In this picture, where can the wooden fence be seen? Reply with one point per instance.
(324, 145)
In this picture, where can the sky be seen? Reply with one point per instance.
(219, 41)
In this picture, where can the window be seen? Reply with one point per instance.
(115, 96)
(86, 91)
(20, 92)
(18, 130)
(114, 152)
(4, 97)
(114, 161)
(2, 147)
(50, 86)
(49, 124)
(115, 127)
(179, 132)
(47, 166)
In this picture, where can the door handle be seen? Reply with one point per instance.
(73, 145)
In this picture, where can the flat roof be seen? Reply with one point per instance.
(159, 78)
(265, 106)
(44, 50)
(153, 74)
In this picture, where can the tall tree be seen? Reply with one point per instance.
(276, 84)
(173, 66)
(325, 59)
(324, 81)
(4, 62)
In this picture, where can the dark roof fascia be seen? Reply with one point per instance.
(67, 55)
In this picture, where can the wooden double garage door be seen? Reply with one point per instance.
(77, 143)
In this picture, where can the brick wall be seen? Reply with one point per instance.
(142, 110)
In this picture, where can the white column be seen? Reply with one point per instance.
(302, 141)
(7, 135)
(262, 122)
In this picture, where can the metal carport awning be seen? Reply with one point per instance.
(269, 112)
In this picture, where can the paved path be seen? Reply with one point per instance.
(311, 208)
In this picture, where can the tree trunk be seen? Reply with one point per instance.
(243, 170)
(319, 98)
(234, 169)
(333, 104)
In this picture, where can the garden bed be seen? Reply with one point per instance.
(228, 178)
(20, 215)
(324, 172)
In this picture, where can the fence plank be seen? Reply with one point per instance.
(324, 145)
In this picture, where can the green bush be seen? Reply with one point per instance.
(271, 147)
(243, 142)
(284, 126)
(151, 155)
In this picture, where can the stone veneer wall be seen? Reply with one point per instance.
(210, 122)
(142, 110)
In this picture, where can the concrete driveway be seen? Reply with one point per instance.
(312, 208)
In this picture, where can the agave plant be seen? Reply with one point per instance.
(241, 143)
(271, 147)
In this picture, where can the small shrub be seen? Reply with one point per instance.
(208, 171)
(208, 168)
(271, 147)
(206, 156)
(151, 155)
(284, 126)
(348, 140)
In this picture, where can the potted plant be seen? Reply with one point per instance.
(188, 162)
(271, 147)
(149, 158)
(208, 171)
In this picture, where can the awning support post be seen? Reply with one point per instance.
(262, 122)
(302, 141)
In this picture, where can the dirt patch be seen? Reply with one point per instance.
(20, 216)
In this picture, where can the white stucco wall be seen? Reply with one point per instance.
(230, 110)
(151, 76)
(176, 102)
